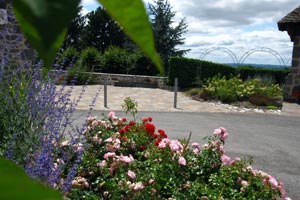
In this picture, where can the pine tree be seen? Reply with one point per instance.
(102, 31)
(167, 36)
(74, 36)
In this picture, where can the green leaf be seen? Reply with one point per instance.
(44, 23)
(132, 16)
(15, 184)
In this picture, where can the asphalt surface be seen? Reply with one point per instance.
(272, 140)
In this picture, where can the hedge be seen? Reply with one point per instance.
(190, 71)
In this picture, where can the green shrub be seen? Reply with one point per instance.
(277, 75)
(192, 71)
(235, 89)
(90, 60)
(143, 65)
(116, 61)
(78, 76)
(183, 69)
(67, 58)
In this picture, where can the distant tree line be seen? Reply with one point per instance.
(99, 43)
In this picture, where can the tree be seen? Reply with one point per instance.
(74, 36)
(166, 36)
(102, 31)
(44, 23)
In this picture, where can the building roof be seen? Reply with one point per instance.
(291, 18)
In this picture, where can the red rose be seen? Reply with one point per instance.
(122, 130)
(157, 141)
(142, 147)
(296, 94)
(150, 128)
(131, 123)
(162, 133)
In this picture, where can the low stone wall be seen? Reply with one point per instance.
(124, 80)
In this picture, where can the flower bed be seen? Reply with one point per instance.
(124, 159)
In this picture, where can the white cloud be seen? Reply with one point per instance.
(237, 25)
(89, 2)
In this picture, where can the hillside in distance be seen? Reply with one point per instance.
(269, 66)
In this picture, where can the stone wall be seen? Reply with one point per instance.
(292, 81)
(13, 45)
(124, 80)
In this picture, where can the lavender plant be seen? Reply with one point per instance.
(35, 119)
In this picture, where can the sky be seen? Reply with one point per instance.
(232, 31)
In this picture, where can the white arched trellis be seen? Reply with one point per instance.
(239, 62)
(262, 49)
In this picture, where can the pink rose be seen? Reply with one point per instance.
(196, 151)
(225, 159)
(94, 123)
(131, 174)
(74, 182)
(127, 159)
(162, 145)
(175, 145)
(182, 160)
(217, 131)
(273, 181)
(111, 114)
(195, 145)
(224, 136)
(103, 163)
(151, 181)
(221, 132)
(108, 139)
(109, 155)
(138, 186)
(244, 183)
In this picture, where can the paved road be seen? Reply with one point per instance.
(272, 140)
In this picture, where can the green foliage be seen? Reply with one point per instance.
(79, 76)
(133, 18)
(42, 23)
(277, 76)
(116, 60)
(15, 184)
(235, 89)
(75, 32)
(130, 105)
(90, 60)
(102, 31)
(44, 26)
(68, 58)
(193, 71)
(193, 91)
(143, 65)
(184, 70)
(19, 133)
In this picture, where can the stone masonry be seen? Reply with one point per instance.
(13, 45)
(291, 24)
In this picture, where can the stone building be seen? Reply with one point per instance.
(291, 24)
(13, 45)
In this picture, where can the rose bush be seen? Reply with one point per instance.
(125, 159)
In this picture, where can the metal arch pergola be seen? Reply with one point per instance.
(226, 50)
(262, 49)
(239, 62)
